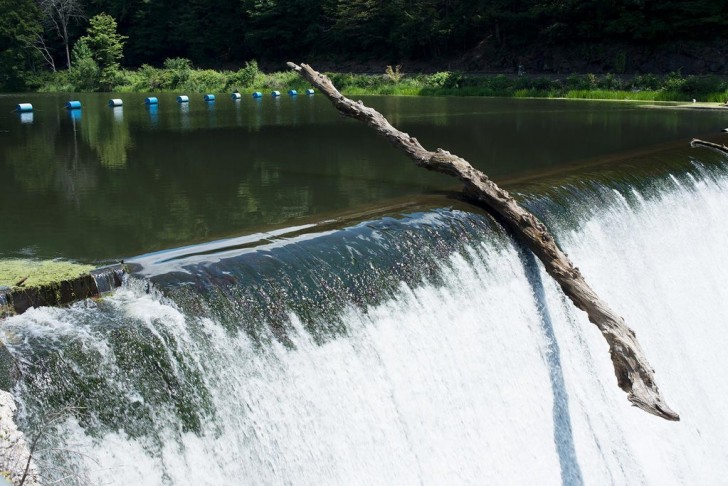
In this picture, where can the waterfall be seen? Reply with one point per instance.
(425, 348)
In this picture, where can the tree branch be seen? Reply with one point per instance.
(702, 143)
(634, 373)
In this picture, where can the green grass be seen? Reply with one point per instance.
(179, 76)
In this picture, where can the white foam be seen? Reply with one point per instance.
(466, 382)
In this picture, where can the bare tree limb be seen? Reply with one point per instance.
(702, 143)
(634, 373)
(39, 44)
(59, 14)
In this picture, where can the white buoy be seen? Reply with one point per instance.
(24, 108)
(236, 96)
(292, 92)
(275, 94)
(116, 102)
(183, 99)
(310, 91)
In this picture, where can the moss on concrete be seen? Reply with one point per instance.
(39, 272)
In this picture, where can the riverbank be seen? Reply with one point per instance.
(178, 75)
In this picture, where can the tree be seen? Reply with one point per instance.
(106, 48)
(274, 30)
(84, 74)
(18, 28)
(59, 14)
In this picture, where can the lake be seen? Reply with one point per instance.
(101, 183)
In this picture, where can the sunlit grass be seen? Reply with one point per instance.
(671, 87)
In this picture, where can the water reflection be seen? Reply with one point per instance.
(238, 114)
(211, 117)
(74, 115)
(118, 112)
(257, 113)
(184, 110)
(153, 111)
(26, 118)
(99, 184)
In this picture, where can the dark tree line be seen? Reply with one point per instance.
(226, 33)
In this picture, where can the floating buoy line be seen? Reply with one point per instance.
(74, 106)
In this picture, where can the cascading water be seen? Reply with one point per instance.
(421, 349)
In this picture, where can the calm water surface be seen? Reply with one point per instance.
(101, 184)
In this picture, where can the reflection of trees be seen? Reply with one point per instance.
(116, 187)
(31, 160)
(169, 188)
(108, 136)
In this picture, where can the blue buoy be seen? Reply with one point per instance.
(236, 96)
(24, 108)
(183, 99)
(152, 100)
(275, 94)
(309, 91)
(73, 105)
(292, 92)
(257, 94)
(116, 102)
(209, 97)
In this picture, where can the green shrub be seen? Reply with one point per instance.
(57, 82)
(674, 82)
(205, 80)
(283, 80)
(610, 82)
(150, 78)
(581, 82)
(700, 85)
(177, 73)
(246, 77)
(395, 74)
(84, 74)
(544, 84)
(499, 84)
(646, 81)
(444, 79)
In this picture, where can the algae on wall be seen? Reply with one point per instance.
(39, 272)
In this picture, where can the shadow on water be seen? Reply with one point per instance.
(563, 434)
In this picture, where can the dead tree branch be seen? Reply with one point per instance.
(702, 143)
(634, 373)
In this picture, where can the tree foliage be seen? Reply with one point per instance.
(227, 33)
(103, 45)
(18, 27)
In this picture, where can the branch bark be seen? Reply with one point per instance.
(634, 373)
(702, 143)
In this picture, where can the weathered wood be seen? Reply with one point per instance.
(634, 373)
(702, 143)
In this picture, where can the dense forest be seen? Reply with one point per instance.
(38, 36)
